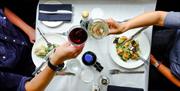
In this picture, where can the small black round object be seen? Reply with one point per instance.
(89, 58)
(104, 81)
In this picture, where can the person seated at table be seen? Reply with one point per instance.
(159, 18)
(16, 65)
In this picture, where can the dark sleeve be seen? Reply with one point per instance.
(2, 4)
(175, 57)
(12, 82)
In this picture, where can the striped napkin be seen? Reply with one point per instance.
(55, 12)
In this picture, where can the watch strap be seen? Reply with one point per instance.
(55, 68)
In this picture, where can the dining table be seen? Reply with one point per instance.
(119, 10)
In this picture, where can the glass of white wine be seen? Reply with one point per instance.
(98, 28)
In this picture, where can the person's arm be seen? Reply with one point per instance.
(20, 23)
(165, 71)
(146, 19)
(40, 81)
(63, 52)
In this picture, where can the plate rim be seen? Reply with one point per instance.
(119, 63)
(56, 23)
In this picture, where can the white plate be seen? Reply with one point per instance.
(52, 24)
(53, 38)
(144, 46)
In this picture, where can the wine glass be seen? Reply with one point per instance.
(77, 35)
(98, 28)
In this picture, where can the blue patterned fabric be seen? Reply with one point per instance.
(16, 65)
(55, 16)
(172, 21)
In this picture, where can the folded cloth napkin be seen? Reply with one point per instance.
(118, 88)
(55, 12)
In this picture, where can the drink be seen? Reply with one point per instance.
(77, 35)
(98, 28)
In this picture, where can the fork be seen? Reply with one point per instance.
(141, 58)
(48, 43)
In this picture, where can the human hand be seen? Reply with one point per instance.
(31, 35)
(115, 27)
(64, 52)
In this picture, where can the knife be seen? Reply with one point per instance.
(38, 69)
(137, 33)
(117, 71)
(65, 73)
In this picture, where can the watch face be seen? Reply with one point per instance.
(60, 67)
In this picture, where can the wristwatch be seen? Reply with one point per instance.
(54, 67)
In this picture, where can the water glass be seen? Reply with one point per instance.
(87, 75)
(74, 66)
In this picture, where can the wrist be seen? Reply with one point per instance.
(123, 27)
(55, 60)
(157, 64)
(55, 67)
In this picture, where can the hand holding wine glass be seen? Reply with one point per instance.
(64, 52)
(77, 35)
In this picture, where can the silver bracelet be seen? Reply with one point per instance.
(156, 64)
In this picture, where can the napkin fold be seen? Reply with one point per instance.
(119, 88)
(55, 12)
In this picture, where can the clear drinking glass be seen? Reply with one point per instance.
(74, 66)
(98, 28)
(87, 75)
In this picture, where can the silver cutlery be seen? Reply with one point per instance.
(61, 73)
(38, 69)
(117, 71)
(123, 21)
(63, 33)
(135, 35)
(132, 48)
(48, 43)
